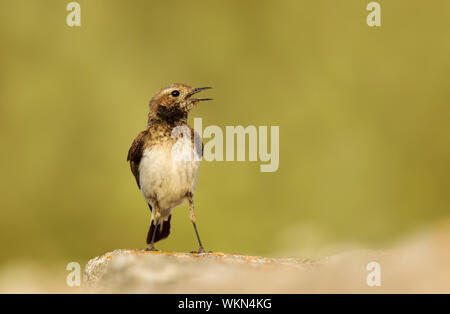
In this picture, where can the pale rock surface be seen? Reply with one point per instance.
(421, 264)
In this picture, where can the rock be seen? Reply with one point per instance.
(418, 265)
(159, 272)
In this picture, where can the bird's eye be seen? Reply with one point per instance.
(175, 93)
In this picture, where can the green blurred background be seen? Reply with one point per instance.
(363, 115)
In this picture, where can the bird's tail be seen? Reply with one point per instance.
(162, 231)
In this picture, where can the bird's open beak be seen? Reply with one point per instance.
(197, 90)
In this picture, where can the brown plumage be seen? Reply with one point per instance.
(164, 179)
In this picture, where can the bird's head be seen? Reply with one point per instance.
(174, 102)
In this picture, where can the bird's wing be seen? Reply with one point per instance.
(135, 154)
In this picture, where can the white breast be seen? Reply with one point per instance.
(167, 175)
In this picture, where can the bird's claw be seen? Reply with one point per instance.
(151, 249)
(201, 250)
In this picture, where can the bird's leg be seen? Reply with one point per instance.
(192, 215)
(156, 219)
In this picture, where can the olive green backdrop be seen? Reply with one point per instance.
(363, 115)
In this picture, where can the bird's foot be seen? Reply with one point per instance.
(200, 251)
(151, 248)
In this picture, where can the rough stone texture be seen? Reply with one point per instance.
(421, 264)
(142, 271)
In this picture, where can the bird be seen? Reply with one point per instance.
(164, 159)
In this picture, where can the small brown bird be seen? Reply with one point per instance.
(158, 160)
